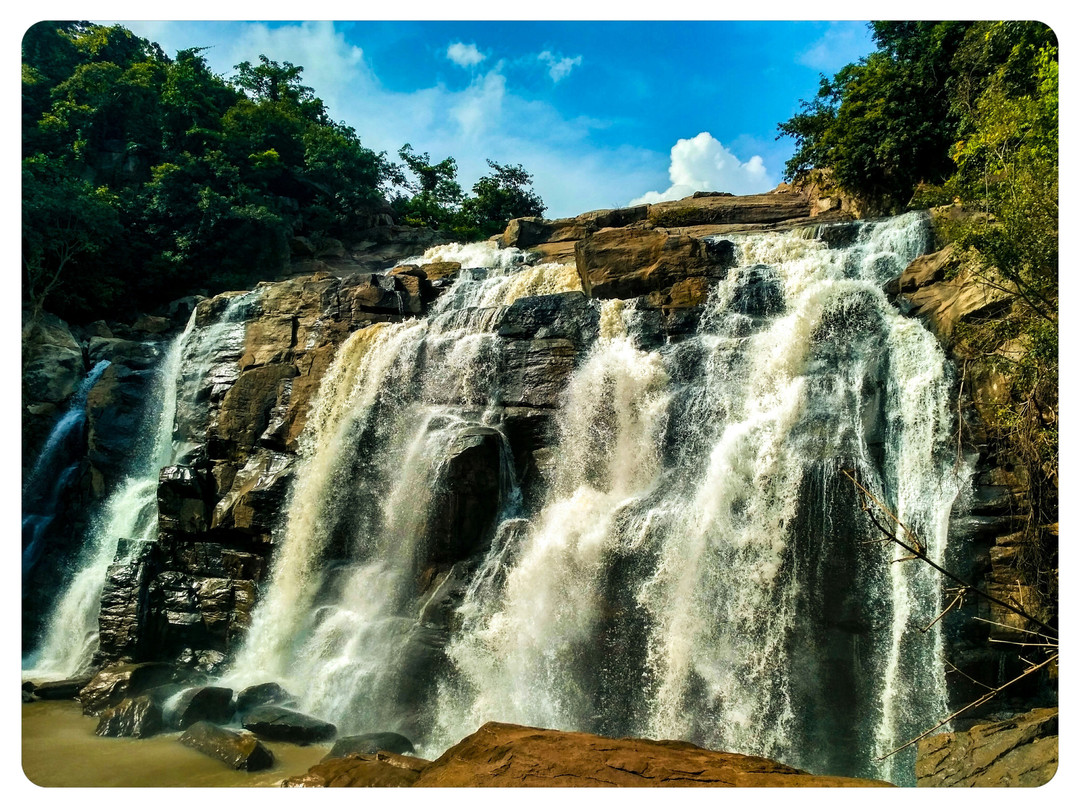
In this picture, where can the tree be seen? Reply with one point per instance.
(436, 194)
(64, 219)
(503, 195)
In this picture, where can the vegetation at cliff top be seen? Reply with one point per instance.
(968, 111)
(146, 178)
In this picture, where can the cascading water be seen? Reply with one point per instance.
(337, 624)
(52, 475)
(698, 566)
(130, 512)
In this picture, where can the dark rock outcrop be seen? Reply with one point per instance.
(114, 683)
(370, 743)
(213, 704)
(280, 724)
(60, 689)
(259, 695)
(238, 750)
(137, 717)
(1020, 751)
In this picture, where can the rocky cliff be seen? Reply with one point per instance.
(188, 598)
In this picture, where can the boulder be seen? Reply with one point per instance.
(151, 324)
(213, 704)
(511, 755)
(60, 689)
(238, 750)
(114, 683)
(440, 269)
(259, 695)
(370, 743)
(629, 263)
(280, 724)
(532, 231)
(1019, 751)
(379, 770)
(138, 717)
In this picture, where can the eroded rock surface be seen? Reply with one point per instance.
(1020, 751)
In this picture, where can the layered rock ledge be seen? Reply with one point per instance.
(511, 755)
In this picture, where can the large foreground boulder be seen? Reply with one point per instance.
(239, 750)
(511, 755)
(1020, 751)
(280, 724)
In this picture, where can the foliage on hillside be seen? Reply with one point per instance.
(966, 111)
(147, 177)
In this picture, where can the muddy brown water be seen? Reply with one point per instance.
(59, 748)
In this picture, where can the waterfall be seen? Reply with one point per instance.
(696, 565)
(130, 512)
(338, 622)
(701, 569)
(53, 473)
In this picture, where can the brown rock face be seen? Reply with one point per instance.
(627, 263)
(1022, 751)
(115, 683)
(510, 755)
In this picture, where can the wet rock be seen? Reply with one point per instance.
(1020, 751)
(183, 496)
(257, 495)
(280, 724)
(122, 621)
(213, 704)
(379, 770)
(371, 743)
(114, 683)
(151, 324)
(60, 689)
(241, 751)
(247, 409)
(567, 315)
(506, 754)
(138, 717)
(259, 695)
(465, 499)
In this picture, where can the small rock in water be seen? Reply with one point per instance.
(213, 704)
(370, 743)
(279, 724)
(60, 689)
(258, 695)
(241, 751)
(138, 717)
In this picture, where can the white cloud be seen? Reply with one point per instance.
(559, 67)
(703, 163)
(464, 55)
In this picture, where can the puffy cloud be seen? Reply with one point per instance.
(559, 66)
(464, 55)
(703, 163)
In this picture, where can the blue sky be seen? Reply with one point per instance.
(592, 109)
